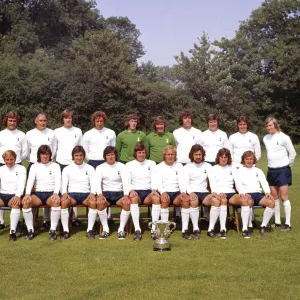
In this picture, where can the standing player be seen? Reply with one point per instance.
(97, 139)
(158, 140)
(12, 139)
(281, 155)
(141, 187)
(111, 185)
(78, 187)
(12, 183)
(127, 139)
(45, 177)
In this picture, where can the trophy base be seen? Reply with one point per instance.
(161, 249)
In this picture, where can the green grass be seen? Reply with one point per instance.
(259, 268)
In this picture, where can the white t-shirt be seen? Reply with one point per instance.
(12, 180)
(67, 139)
(221, 179)
(78, 179)
(35, 138)
(280, 150)
(112, 178)
(13, 140)
(95, 141)
(212, 142)
(185, 139)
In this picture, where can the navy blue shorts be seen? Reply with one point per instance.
(279, 176)
(43, 196)
(201, 196)
(172, 196)
(113, 197)
(79, 197)
(143, 194)
(96, 163)
(5, 198)
(256, 197)
(229, 195)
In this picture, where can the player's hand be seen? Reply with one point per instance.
(15, 201)
(269, 196)
(155, 193)
(101, 199)
(184, 197)
(165, 197)
(126, 200)
(248, 197)
(55, 199)
(222, 196)
(193, 196)
(26, 199)
(133, 194)
(91, 197)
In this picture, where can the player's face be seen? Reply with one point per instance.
(160, 127)
(213, 125)
(197, 156)
(11, 124)
(249, 161)
(223, 160)
(68, 121)
(186, 122)
(243, 127)
(141, 155)
(271, 128)
(132, 125)
(99, 123)
(45, 158)
(170, 157)
(110, 158)
(41, 122)
(9, 161)
(78, 158)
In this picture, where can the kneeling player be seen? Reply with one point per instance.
(140, 185)
(45, 177)
(12, 183)
(78, 187)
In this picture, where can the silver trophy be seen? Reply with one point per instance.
(162, 231)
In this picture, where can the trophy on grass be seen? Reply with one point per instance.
(161, 232)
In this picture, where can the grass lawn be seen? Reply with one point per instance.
(258, 268)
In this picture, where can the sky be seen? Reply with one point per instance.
(170, 26)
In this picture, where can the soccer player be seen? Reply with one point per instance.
(45, 177)
(169, 181)
(156, 141)
(251, 182)
(112, 189)
(97, 139)
(195, 178)
(222, 179)
(127, 139)
(141, 187)
(78, 187)
(12, 139)
(281, 155)
(12, 183)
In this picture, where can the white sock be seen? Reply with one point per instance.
(108, 212)
(28, 217)
(177, 211)
(164, 214)
(287, 210)
(277, 212)
(214, 215)
(194, 215)
(223, 217)
(250, 217)
(205, 212)
(65, 219)
(185, 217)
(103, 219)
(14, 218)
(46, 213)
(92, 218)
(245, 210)
(155, 213)
(268, 214)
(135, 215)
(1, 216)
(55, 215)
(123, 219)
(75, 212)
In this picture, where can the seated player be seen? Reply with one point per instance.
(12, 183)
(222, 179)
(195, 178)
(168, 181)
(78, 187)
(45, 178)
(111, 181)
(140, 186)
(252, 182)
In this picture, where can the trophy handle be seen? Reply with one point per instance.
(150, 225)
(174, 226)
